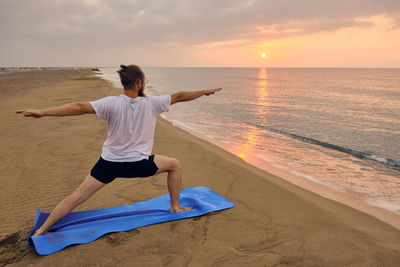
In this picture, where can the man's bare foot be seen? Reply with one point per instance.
(37, 232)
(180, 209)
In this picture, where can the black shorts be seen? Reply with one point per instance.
(106, 171)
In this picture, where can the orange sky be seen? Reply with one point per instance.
(377, 46)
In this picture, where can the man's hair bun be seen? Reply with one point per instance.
(123, 68)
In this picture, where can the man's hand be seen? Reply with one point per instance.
(77, 108)
(36, 113)
(211, 91)
(191, 95)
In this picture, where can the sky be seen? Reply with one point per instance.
(206, 33)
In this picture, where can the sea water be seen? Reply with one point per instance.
(336, 127)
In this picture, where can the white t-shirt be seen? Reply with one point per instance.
(131, 123)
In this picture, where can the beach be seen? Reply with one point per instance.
(273, 223)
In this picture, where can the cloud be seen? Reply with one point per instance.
(227, 43)
(70, 25)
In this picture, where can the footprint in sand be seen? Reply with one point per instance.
(117, 239)
(13, 248)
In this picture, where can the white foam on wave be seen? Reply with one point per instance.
(385, 204)
(111, 75)
(377, 158)
(286, 169)
(181, 125)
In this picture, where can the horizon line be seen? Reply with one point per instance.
(199, 67)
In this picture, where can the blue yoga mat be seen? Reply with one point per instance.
(85, 226)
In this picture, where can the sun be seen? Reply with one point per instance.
(263, 55)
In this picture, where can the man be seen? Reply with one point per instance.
(131, 119)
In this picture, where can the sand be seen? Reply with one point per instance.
(274, 222)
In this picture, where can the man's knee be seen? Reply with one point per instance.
(166, 164)
(173, 164)
(176, 165)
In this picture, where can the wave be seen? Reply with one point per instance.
(358, 154)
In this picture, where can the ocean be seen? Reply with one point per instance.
(336, 127)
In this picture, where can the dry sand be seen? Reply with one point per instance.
(273, 223)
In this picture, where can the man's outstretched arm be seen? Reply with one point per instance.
(78, 108)
(191, 95)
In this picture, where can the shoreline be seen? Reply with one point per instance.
(274, 221)
(315, 187)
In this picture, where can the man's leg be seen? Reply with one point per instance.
(173, 167)
(88, 187)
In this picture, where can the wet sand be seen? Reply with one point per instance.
(273, 223)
